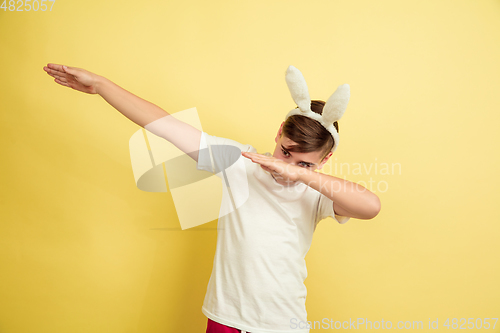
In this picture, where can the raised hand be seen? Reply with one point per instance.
(280, 170)
(73, 77)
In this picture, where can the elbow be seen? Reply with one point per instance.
(375, 207)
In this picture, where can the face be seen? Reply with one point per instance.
(310, 161)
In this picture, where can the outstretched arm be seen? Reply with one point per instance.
(182, 135)
(131, 106)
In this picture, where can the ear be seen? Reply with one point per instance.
(337, 104)
(278, 135)
(325, 160)
(298, 88)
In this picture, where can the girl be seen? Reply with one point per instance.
(257, 281)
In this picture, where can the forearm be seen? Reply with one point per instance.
(349, 195)
(131, 106)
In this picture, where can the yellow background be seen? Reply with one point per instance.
(82, 249)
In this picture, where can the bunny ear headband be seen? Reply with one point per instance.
(332, 111)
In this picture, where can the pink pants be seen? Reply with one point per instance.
(214, 327)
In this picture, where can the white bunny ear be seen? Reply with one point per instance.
(298, 88)
(336, 105)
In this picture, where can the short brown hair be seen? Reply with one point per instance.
(308, 133)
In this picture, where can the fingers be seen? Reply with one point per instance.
(261, 159)
(62, 83)
(59, 70)
(53, 73)
(266, 168)
(56, 68)
(57, 76)
(258, 158)
(255, 159)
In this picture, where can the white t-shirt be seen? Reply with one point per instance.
(257, 281)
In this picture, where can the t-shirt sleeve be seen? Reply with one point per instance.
(216, 154)
(325, 209)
